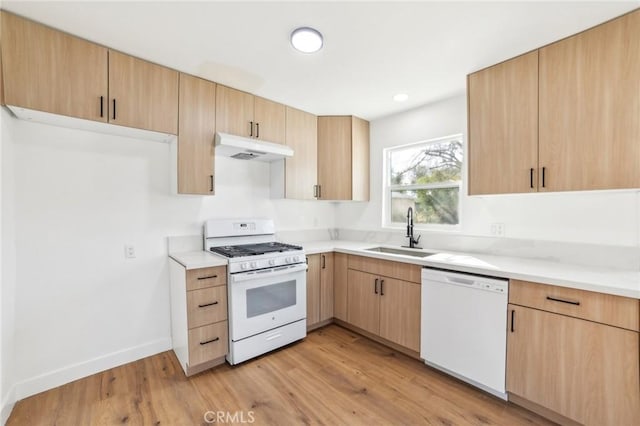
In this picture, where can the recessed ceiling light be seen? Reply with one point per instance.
(306, 40)
(400, 97)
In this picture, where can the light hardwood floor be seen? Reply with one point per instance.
(334, 377)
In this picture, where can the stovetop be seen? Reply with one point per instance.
(253, 249)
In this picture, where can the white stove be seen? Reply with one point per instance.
(267, 286)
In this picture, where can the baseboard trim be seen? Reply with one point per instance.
(7, 405)
(77, 371)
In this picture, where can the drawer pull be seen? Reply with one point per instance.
(210, 341)
(570, 302)
(381, 287)
(375, 286)
(513, 319)
(208, 304)
(208, 277)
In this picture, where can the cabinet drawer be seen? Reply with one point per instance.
(206, 306)
(206, 277)
(208, 343)
(399, 270)
(603, 308)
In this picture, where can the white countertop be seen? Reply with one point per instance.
(198, 259)
(604, 280)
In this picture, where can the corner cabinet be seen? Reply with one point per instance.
(503, 127)
(573, 353)
(343, 158)
(243, 114)
(196, 132)
(319, 290)
(48, 70)
(561, 118)
(199, 326)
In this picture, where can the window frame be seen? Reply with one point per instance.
(388, 188)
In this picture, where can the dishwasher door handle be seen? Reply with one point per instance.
(460, 281)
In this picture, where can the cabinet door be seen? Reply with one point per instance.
(589, 108)
(580, 369)
(301, 170)
(360, 160)
(234, 111)
(326, 286)
(340, 274)
(400, 312)
(142, 94)
(196, 131)
(270, 119)
(313, 289)
(363, 301)
(48, 70)
(334, 158)
(503, 127)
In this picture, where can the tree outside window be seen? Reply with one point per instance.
(425, 176)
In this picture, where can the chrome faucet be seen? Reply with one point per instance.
(413, 242)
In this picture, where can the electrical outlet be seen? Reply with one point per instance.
(497, 229)
(129, 251)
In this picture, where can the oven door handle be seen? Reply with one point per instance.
(267, 273)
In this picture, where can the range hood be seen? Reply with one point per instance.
(243, 148)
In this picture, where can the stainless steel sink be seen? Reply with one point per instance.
(404, 252)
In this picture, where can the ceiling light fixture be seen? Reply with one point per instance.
(400, 97)
(306, 40)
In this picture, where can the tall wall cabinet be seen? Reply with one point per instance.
(196, 132)
(561, 118)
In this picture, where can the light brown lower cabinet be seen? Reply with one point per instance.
(386, 307)
(340, 275)
(199, 326)
(319, 289)
(583, 370)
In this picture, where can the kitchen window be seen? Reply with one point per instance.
(427, 177)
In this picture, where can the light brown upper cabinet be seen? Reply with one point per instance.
(562, 118)
(343, 158)
(243, 114)
(301, 170)
(196, 131)
(590, 108)
(48, 70)
(503, 127)
(142, 94)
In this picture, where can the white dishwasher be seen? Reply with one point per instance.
(464, 327)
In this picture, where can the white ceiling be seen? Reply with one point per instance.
(372, 50)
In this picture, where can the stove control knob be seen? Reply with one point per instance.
(296, 258)
(272, 262)
(244, 266)
(287, 260)
(254, 265)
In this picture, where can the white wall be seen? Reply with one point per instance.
(605, 217)
(80, 306)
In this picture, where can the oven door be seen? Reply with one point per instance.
(266, 299)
